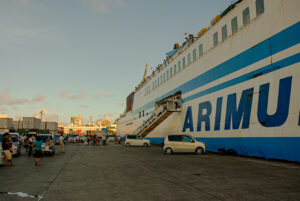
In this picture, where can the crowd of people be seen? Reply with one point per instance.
(32, 144)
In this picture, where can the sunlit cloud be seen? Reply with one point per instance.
(47, 115)
(24, 2)
(104, 5)
(120, 104)
(38, 98)
(104, 94)
(84, 106)
(80, 95)
(7, 99)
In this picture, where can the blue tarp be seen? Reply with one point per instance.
(171, 52)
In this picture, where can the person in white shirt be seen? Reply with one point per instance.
(62, 144)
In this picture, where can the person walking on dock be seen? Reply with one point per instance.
(6, 148)
(62, 144)
(37, 150)
(30, 144)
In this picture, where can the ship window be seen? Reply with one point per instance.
(194, 55)
(175, 69)
(234, 25)
(215, 39)
(164, 77)
(260, 7)
(200, 50)
(224, 32)
(167, 74)
(179, 66)
(246, 16)
(189, 58)
(171, 72)
(183, 62)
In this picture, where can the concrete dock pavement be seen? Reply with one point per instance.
(115, 172)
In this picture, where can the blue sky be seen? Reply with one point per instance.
(73, 57)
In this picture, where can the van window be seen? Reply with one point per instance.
(260, 7)
(131, 137)
(246, 16)
(177, 138)
(187, 139)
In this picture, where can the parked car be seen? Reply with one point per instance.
(56, 139)
(72, 138)
(82, 138)
(183, 144)
(47, 147)
(16, 145)
(135, 140)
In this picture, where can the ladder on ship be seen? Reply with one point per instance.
(163, 109)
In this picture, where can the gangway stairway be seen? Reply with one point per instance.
(164, 109)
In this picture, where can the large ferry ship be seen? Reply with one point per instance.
(233, 86)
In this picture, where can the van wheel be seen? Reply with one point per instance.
(127, 145)
(168, 151)
(145, 144)
(199, 151)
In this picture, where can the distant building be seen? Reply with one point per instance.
(77, 121)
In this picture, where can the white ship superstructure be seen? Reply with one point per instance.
(233, 87)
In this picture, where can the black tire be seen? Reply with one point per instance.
(199, 151)
(146, 145)
(168, 151)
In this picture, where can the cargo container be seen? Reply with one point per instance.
(43, 126)
(18, 124)
(51, 126)
(31, 123)
(6, 123)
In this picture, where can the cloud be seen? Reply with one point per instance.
(107, 116)
(84, 106)
(63, 94)
(47, 115)
(104, 5)
(24, 2)
(80, 95)
(6, 99)
(120, 104)
(104, 94)
(38, 98)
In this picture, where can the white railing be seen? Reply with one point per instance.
(169, 105)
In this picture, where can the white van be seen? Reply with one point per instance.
(134, 140)
(183, 144)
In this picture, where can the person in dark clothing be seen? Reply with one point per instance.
(30, 145)
(6, 144)
(38, 150)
